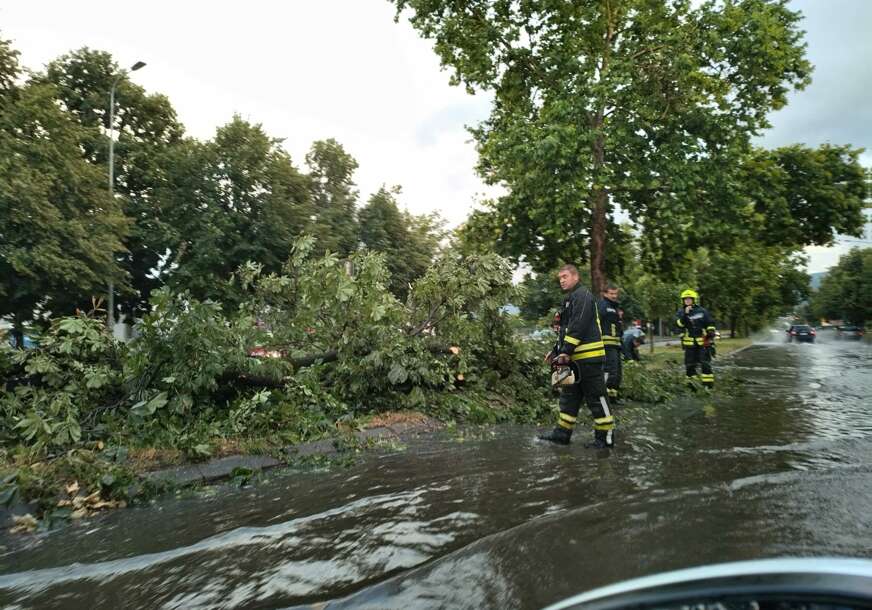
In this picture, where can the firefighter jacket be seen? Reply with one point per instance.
(698, 326)
(579, 334)
(610, 322)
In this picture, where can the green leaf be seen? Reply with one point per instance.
(202, 450)
(9, 493)
(398, 374)
(71, 325)
(148, 407)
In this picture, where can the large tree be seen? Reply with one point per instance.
(642, 104)
(846, 291)
(334, 196)
(750, 285)
(797, 196)
(146, 130)
(409, 243)
(238, 198)
(59, 229)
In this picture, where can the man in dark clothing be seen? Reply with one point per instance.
(632, 339)
(698, 338)
(613, 331)
(580, 349)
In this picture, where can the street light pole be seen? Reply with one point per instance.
(110, 301)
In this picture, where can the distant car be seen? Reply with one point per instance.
(851, 333)
(801, 333)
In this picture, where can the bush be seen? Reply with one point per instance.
(347, 347)
(72, 379)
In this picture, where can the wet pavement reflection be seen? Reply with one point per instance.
(497, 519)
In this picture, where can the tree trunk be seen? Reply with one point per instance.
(651, 335)
(598, 242)
(599, 202)
(304, 361)
(733, 327)
(599, 196)
(259, 381)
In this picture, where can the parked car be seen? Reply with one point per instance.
(851, 333)
(801, 333)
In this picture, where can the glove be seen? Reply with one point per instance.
(562, 360)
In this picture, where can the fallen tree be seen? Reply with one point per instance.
(345, 347)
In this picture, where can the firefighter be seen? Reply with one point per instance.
(613, 331)
(578, 359)
(632, 339)
(698, 338)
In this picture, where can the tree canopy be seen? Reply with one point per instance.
(59, 229)
(846, 291)
(408, 242)
(146, 130)
(334, 197)
(645, 105)
(186, 213)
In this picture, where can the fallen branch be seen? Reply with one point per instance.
(263, 381)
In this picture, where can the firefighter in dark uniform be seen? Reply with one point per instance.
(698, 338)
(580, 350)
(613, 331)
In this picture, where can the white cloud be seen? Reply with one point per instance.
(330, 68)
(306, 70)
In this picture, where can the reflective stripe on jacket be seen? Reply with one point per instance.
(580, 335)
(610, 323)
(696, 325)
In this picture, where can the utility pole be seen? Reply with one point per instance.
(110, 300)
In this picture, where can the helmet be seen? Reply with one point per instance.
(689, 293)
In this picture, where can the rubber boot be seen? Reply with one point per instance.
(602, 439)
(558, 435)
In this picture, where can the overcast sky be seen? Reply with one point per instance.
(317, 69)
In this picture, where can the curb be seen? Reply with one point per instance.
(222, 468)
(739, 351)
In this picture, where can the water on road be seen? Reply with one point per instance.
(498, 520)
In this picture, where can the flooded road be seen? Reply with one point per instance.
(499, 520)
